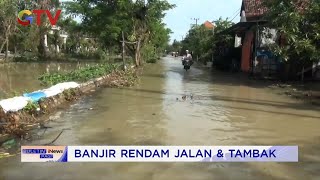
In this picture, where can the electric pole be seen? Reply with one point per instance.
(195, 19)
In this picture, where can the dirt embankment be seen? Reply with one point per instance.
(17, 124)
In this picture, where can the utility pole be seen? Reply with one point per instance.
(195, 19)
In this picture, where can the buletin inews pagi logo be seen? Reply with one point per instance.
(44, 154)
(26, 17)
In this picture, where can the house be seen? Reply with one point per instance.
(254, 57)
(209, 25)
(253, 38)
(62, 34)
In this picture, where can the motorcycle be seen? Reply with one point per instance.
(187, 63)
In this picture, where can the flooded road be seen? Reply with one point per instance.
(225, 109)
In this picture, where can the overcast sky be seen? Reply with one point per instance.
(180, 18)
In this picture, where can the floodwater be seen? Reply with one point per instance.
(226, 109)
(19, 77)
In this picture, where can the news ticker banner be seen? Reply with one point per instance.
(159, 154)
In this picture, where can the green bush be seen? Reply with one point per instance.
(102, 55)
(149, 54)
(26, 57)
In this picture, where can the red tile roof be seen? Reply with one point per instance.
(253, 8)
(208, 25)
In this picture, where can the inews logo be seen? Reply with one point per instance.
(25, 17)
(41, 151)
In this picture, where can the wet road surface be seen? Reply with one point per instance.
(225, 109)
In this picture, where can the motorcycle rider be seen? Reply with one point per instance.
(186, 57)
(189, 56)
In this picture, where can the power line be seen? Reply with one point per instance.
(235, 14)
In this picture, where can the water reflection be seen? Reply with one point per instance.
(18, 77)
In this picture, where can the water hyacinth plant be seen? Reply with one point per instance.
(80, 75)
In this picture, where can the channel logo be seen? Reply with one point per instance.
(28, 18)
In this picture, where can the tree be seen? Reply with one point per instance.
(175, 46)
(75, 33)
(193, 39)
(141, 23)
(204, 42)
(298, 21)
(31, 34)
(221, 38)
(7, 22)
(44, 26)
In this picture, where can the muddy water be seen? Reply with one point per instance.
(17, 77)
(224, 110)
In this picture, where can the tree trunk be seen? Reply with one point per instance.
(42, 49)
(123, 52)
(2, 45)
(137, 55)
(7, 32)
(7, 47)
